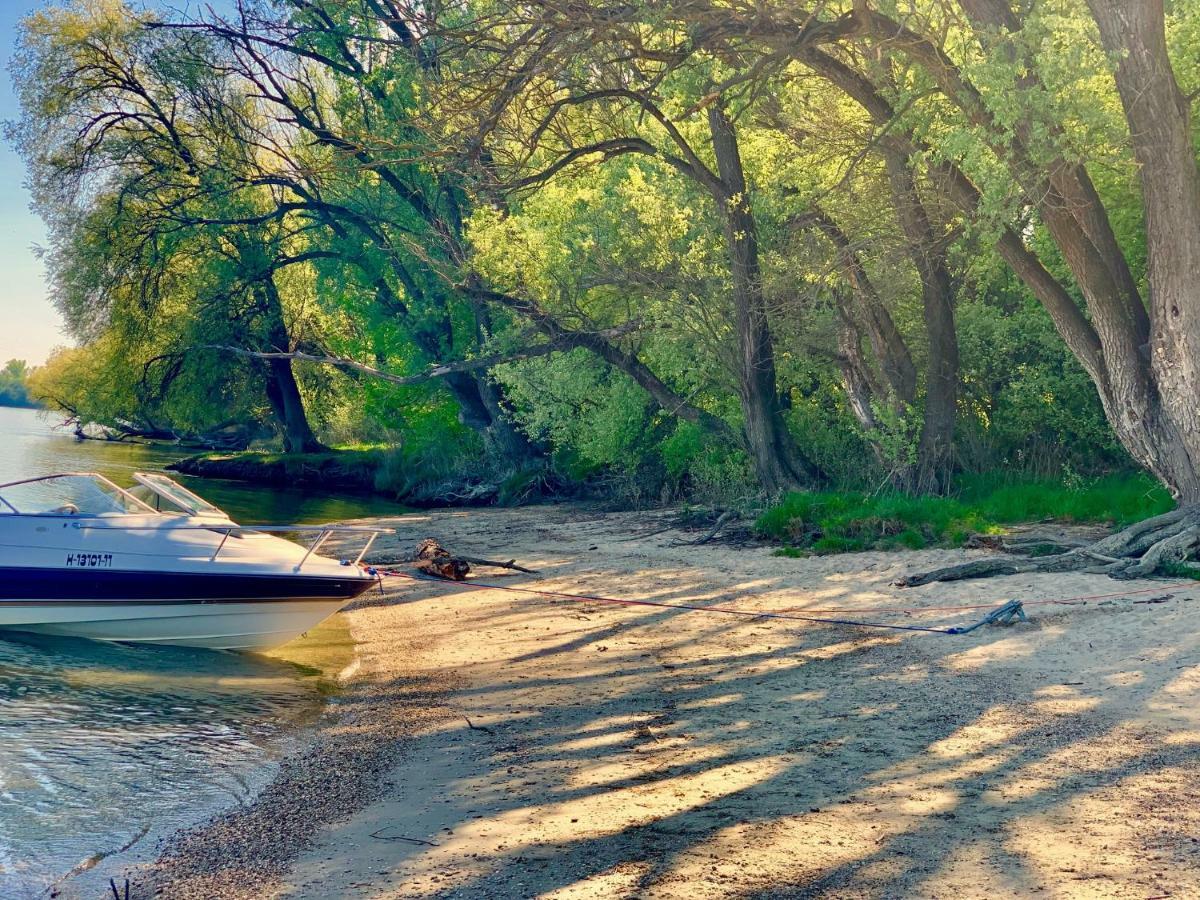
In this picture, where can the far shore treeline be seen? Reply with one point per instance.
(14, 384)
(655, 249)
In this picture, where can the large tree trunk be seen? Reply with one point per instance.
(1157, 428)
(284, 396)
(479, 404)
(283, 392)
(935, 451)
(1160, 128)
(777, 460)
(1148, 379)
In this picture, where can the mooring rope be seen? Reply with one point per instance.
(1062, 601)
(689, 607)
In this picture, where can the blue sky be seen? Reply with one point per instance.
(29, 325)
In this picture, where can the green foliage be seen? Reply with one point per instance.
(1026, 403)
(842, 522)
(1179, 570)
(575, 401)
(1113, 499)
(402, 211)
(699, 467)
(14, 384)
(832, 522)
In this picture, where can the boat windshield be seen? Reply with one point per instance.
(78, 494)
(163, 489)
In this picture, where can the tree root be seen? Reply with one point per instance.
(1134, 552)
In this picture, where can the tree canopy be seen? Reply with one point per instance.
(14, 384)
(681, 246)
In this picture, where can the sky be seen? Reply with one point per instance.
(29, 325)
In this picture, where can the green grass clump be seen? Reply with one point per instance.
(1179, 570)
(844, 522)
(1119, 499)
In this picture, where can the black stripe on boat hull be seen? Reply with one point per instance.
(52, 586)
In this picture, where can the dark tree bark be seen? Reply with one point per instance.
(935, 451)
(1159, 125)
(283, 392)
(479, 404)
(777, 459)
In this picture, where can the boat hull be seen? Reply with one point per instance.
(216, 611)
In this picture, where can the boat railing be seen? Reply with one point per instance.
(321, 534)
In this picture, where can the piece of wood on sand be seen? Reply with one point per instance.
(434, 559)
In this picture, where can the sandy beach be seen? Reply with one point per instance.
(494, 744)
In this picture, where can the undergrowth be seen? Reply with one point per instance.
(845, 522)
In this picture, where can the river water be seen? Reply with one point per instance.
(104, 746)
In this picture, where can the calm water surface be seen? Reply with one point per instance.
(103, 745)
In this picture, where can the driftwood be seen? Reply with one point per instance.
(496, 564)
(434, 559)
(1134, 552)
(722, 520)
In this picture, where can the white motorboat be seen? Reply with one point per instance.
(82, 557)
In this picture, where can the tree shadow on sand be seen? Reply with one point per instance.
(737, 758)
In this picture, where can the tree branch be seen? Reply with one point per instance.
(439, 370)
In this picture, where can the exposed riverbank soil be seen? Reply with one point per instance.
(370, 472)
(350, 471)
(494, 744)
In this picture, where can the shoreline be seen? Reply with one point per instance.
(334, 767)
(493, 745)
(373, 473)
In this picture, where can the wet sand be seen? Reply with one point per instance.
(493, 744)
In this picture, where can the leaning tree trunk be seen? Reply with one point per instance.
(283, 391)
(1144, 367)
(1160, 128)
(284, 395)
(479, 408)
(1146, 380)
(864, 308)
(777, 460)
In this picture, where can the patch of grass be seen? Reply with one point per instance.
(1179, 570)
(844, 522)
(1119, 499)
(791, 552)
